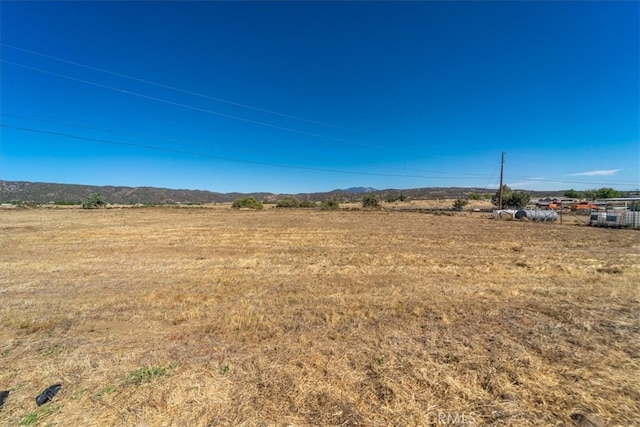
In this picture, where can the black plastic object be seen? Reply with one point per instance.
(47, 394)
(3, 397)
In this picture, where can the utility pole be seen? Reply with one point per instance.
(501, 175)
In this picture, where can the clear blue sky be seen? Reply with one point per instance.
(314, 96)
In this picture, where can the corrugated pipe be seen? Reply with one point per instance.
(537, 215)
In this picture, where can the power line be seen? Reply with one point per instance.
(111, 131)
(93, 128)
(492, 175)
(245, 120)
(562, 181)
(153, 98)
(199, 154)
(271, 164)
(37, 119)
(226, 101)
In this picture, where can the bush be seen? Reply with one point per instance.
(517, 200)
(510, 199)
(308, 204)
(459, 204)
(370, 201)
(288, 202)
(474, 196)
(246, 203)
(94, 201)
(330, 205)
(396, 198)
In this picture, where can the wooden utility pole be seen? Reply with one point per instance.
(501, 175)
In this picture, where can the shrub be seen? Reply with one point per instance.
(94, 201)
(459, 204)
(396, 198)
(510, 199)
(474, 196)
(308, 204)
(330, 205)
(288, 202)
(370, 201)
(247, 203)
(517, 200)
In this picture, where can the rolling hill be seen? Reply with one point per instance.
(40, 192)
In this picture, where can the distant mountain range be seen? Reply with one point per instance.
(40, 192)
(360, 190)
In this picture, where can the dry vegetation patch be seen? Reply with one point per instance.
(206, 317)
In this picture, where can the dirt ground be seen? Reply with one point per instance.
(209, 317)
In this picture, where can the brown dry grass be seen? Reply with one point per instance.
(316, 318)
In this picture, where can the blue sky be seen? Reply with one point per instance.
(312, 96)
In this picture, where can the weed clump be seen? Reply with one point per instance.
(147, 374)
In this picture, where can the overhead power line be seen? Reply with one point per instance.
(137, 135)
(199, 154)
(229, 116)
(562, 181)
(271, 164)
(189, 92)
(115, 132)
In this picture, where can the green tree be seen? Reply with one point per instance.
(94, 201)
(474, 196)
(573, 194)
(606, 193)
(307, 203)
(247, 203)
(370, 201)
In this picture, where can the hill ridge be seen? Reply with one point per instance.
(43, 192)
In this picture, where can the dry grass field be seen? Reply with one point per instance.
(214, 317)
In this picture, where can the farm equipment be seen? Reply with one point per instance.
(567, 205)
(583, 206)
